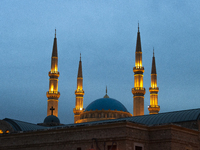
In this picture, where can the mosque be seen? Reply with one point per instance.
(104, 108)
(105, 123)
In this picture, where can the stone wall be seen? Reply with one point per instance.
(127, 135)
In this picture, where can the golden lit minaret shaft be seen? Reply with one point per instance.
(53, 93)
(138, 90)
(153, 108)
(79, 94)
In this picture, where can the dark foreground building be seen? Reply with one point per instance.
(165, 131)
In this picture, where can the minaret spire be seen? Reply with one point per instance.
(153, 108)
(80, 68)
(138, 44)
(53, 93)
(54, 51)
(79, 94)
(153, 68)
(138, 90)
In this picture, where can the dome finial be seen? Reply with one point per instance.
(55, 33)
(80, 56)
(106, 96)
(138, 26)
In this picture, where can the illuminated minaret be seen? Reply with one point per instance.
(153, 108)
(138, 90)
(53, 93)
(79, 94)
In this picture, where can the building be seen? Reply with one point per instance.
(105, 123)
(165, 131)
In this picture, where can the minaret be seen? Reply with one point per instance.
(153, 108)
(138, 90)
(79, 94)
(53, 93)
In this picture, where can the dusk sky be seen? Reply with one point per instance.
(104, 32)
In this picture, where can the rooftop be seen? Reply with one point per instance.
(148, 120)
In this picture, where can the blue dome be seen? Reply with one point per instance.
(106, 104)
(51, 119)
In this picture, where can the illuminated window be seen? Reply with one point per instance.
(7, 131)
(1, 132)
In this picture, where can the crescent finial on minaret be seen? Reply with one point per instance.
(153, 51)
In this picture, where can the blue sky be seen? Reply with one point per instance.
(105, 34)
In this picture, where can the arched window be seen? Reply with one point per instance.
(115, 116)
(112, 116)
(103, 115)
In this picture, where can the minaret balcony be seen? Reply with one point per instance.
(53, 94)
(81, 92)
(138, 90)
(78, 111)
(154, 108)
(138, 69)
(156, 89)
(54, 73)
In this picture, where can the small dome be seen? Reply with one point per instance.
(52, 119)
(106, 104)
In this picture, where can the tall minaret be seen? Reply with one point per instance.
(138, 90)
(79, 94)
(153, 108)
(53, 93)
